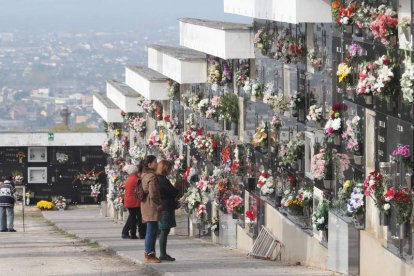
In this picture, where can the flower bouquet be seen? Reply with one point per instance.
(276, 102)
(353, 138)
(375, 188)
(173, 88)
(384, 25)
(290, 49)
(60, 203)
(137, 123)
(315, 114)
(355, 203)
(250, 219)
(191, 134)
(242, 75)
(407, 81)
(291, 151)
(297, 105)
(333, 127)
(376, 78)
(260, 137)
(95, 190)
(154, 140)
(229, 107)
(263, 41)
(344, 15)
(148, 106)
(266, 183)
(234, 205)
(254, 88)
(403, 153)
(317, 59)
(402, 199)
(321, 215)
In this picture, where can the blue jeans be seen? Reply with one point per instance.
(9, 218)
(151, 236)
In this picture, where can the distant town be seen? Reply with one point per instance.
(47, 80)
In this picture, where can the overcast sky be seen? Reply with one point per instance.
(105, 15)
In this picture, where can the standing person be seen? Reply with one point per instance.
(151, 207)
(168, 199)
(7, 194)
(133, 204)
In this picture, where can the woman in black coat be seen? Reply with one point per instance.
(168, 195)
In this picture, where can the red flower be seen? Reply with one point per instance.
(123, 113)
(167, 118)
(251, 214)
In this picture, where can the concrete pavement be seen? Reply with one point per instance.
(44, 250)
(194, 256)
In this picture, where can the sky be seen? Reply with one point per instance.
(105, 15)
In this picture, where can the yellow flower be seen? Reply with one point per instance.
(43, 204)
(346, 184)
(337, 115)
(343, 71)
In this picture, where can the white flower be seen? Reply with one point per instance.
(336, 123)
(387, 206)
(320, 220)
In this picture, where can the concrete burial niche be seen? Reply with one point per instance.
(180, 64)
(123, 96)
(148, 82)
(106, 109)
(290, 11)
(217, 38)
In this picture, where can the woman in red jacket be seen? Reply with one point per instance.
(132, 203)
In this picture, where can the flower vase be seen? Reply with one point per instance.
(337, 140)
(357, 30)
(327, 183)
(358, 159)
(359, 220)
(347, 29)
(95, 199)
(402, 231)
(301, 117)
(350, 93)
(234, 128)
(235, 216)
(325, 235)
(368, 99)
(384, 219)
(408, 179)
(216, 232)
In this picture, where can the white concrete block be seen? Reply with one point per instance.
(107, 109)
(290, 11)
(123, 96)
(148, 82)
(220, 39)
(183, 65)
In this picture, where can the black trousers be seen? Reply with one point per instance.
(134, 220)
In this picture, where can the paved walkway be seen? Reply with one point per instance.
(44, 250)
(194, 256)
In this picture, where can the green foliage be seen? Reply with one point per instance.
(229, 109)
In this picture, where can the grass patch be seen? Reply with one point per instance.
(93, 245)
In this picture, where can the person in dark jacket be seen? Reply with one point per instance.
(168, 199)
(7, 200)
(151, 208)
(133, 204)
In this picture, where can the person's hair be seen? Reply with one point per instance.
(148, 160)
(131, 169)
(163, 167)
(10, 178)
(140, 167)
